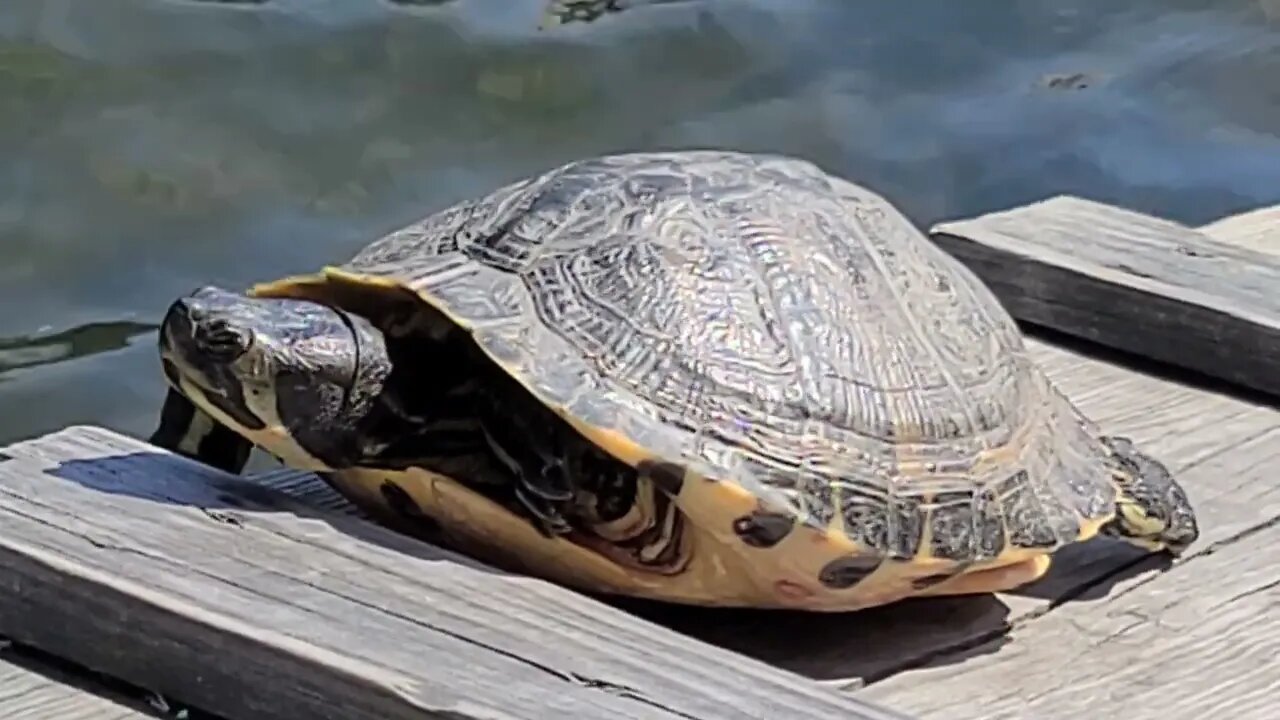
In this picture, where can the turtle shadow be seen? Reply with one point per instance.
(1175, 374)
(849, 649)
(60, 671)
(862, 647)
(1090, 571)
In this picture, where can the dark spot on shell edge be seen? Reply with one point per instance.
(762, 529)
(847, 571)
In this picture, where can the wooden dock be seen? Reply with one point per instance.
(270, 598)
(39, 688)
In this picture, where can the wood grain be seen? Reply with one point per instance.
(1257, 229)
(32, 692)
(1196, 642)
(237, 599)
(1132, 282)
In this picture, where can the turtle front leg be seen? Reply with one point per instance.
(524, 442)
(1152, 511)
(186, 430)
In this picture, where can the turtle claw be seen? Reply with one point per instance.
(543, 514)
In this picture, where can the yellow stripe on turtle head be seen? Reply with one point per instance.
(273, 437)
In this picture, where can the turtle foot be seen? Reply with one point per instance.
(1152, 511)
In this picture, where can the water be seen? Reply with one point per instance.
(149, 146)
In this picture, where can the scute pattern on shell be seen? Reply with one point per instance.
(771, 325)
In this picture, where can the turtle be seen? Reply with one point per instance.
(705, 377)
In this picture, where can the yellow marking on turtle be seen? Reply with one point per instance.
(1089, 529)
(633, 521)
(714, 505)
(717, 574)
(787, 572)
(722, 570)
(202, 424)
(274, 437)
(993, 578)
(476, 525)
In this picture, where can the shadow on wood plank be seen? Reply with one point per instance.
(77, 678)
(248, 497)
(823, 646)
(709, 683)
(866, 646)
(849, 648)
(1104, 561)
(852, 648)
(1147, 366)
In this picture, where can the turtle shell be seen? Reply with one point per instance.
(822, 390)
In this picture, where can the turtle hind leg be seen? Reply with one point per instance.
(186, 430)
(1152, 510)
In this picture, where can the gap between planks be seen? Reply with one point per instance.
(239, 600)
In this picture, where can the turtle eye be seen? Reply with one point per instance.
(223, 342)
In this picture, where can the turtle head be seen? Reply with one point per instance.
(294, 377)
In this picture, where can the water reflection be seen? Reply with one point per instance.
(78, 342)
(150, 146)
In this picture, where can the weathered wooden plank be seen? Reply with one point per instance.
(35, 691)
(1198, 641)
(1257, 229)
(1194, 430)
(1132, 282)
(237, 599)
